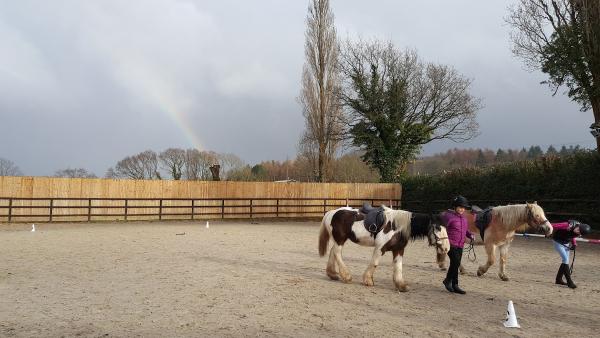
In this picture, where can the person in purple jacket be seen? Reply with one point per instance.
(457, 228)
(563, 237)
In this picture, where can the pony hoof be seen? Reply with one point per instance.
(368, 281)
(347, 280)
(333, 277)
(402, 287)
(504, 278)
(479, 273)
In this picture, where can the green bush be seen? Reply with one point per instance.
(574, 179)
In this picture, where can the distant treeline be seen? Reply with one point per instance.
(458, 158)
(191, 164)
(568, 185)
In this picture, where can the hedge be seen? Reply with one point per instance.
(566, 187)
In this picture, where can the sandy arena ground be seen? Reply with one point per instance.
(267, 279)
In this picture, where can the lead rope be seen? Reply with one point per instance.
(573, 261)
(471, 249)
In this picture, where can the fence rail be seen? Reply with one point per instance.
(14, 209)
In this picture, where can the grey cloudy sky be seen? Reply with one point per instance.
(86, 83)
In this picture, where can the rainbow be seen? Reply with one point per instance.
(151, 86)
(182, 121)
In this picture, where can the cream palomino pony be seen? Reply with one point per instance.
(398, 228)
(500, 232)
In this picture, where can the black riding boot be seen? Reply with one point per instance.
(560, 274)
(456, 288)
(448, 284)
(568, 276)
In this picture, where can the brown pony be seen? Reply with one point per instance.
(398, 228)
(505, 220)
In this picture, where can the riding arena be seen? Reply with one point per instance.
(266, 277)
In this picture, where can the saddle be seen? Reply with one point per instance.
(482, 218)
(374, 219)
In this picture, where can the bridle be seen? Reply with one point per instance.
(437, 242)
(531, 219)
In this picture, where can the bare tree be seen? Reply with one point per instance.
(8, 168)
(562, 39)
(396, 103)
(320, 86)
(141, 166)
(173, 160)
(197, 164)
(350, 168)
(74, 173)
(229, 162)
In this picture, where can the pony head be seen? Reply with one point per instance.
(536, 218)
(439, 237)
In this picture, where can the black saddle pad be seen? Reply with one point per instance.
(482, 219)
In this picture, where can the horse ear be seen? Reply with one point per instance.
(535, 202)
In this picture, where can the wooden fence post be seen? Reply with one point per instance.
(193, 209)
(160, 209)
(51, 207)
(223, 209)
(10, 200)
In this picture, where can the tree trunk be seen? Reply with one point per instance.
(596, 109)
(321, 164)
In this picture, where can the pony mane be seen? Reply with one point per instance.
(400, 218)
(512, 215)
(419, 225)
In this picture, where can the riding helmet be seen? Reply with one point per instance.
(584, 229)
(460, 201)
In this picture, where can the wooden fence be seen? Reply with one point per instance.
(43, 199)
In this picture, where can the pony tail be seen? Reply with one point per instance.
(323, 239)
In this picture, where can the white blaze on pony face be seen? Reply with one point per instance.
(539, 218)
(442, 241)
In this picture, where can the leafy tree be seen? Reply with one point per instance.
(501, 156)
(562, 39)
(534, 152)
(395, 103)
(564, 151)
(259, 172)
(551, 151)
(481, 160)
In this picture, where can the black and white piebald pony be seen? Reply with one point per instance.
(398, 228)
